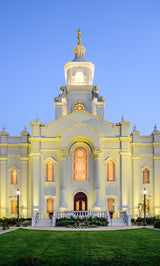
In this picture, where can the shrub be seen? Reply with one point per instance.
(133, 220)
(157, 224)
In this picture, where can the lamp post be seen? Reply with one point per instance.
(144, 193)
(18, 192)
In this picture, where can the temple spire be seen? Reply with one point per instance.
(79, 36)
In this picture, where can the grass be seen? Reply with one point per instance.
(123, 247)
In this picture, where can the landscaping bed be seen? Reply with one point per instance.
(78, 222)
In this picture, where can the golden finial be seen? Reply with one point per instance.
(79, 36)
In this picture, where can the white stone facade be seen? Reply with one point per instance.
(56, 141)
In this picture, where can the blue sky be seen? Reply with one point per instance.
(121, 38)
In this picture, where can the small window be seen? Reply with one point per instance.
(49, 205)
(49, 172)
(145, 176)
(111, 205)
(79, 107)
(110, 171)
(14, 206)
(14, 177)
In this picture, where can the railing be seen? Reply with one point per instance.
(38, 217)
(67, 214)
(127, 218)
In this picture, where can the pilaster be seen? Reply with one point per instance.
(135, 184)
(36, 177)
(98, 205)
(24, 186)
(63, 205)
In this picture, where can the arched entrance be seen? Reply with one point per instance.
(80, 202)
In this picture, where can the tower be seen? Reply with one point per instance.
(79, 94)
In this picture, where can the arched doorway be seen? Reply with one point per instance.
(80, 202)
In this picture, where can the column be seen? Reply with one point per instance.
(97, 205)
(63, 205)
(135, 172)
(126, 188)
(36, 176)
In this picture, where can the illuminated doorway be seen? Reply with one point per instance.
(80, 202)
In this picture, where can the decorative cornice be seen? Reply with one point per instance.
(126, 139)
(45, 139)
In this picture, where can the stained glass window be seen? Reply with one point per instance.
(50, 205)
(14, 206)
(111, 205)
(80, 164)
(110, 171)
(145, 176)
(14, 177)
(49, 172)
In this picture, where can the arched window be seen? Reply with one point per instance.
(14, 206)
(110, 171)
(145, 176)
(111, 205)
(49, 205)
(14, 177)
(79, 107)
(49, 172)
(79, 77)
(80, 164)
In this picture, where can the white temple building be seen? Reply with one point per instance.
(79, 162)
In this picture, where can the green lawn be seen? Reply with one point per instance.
(123, 247)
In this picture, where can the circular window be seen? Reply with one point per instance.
(80, 153)
(79, 107)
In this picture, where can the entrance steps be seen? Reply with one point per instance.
(117, 222)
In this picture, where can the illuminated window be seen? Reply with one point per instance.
(49, 205)
(110, 171)
(14, 206)
(79, 107)
(79, 78)
(147, 205)
(83, 205)
(77, 205)
(14, 177)
(49, 172)
(111, 205)
(80, 164)
(145, 176)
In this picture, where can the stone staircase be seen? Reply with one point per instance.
(117, 222)
(124, 219)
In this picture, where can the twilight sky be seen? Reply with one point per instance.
(122, 39)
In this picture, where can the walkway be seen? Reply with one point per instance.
(49, 228)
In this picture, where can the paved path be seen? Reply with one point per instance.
(9, 230)
(100, 228)
(49, 228)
